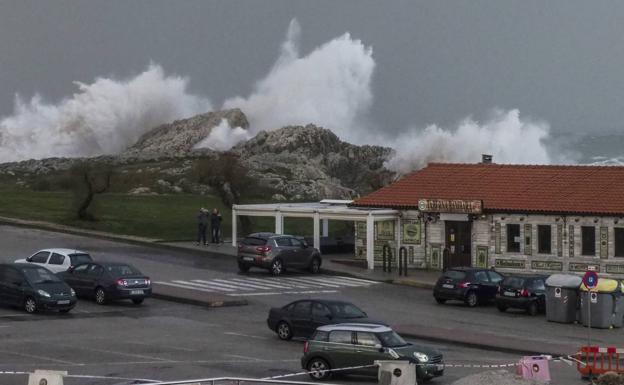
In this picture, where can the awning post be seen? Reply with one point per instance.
(370, 241)
(279, 222)
(316, 235)
(234, 229)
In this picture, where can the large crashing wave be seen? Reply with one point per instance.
(103, 117)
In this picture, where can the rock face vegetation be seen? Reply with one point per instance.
(289, 163)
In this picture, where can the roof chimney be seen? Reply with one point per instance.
(486, 159)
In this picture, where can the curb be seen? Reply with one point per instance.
(190, 301)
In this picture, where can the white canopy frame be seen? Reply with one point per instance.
(320, 213)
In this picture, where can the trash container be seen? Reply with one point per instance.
(605, 302)
(562, 297)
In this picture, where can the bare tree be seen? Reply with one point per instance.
(88, 179)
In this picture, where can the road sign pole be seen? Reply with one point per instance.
(588, 318)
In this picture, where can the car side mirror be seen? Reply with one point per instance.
(29, 259)
(379, 348)
(70, 269)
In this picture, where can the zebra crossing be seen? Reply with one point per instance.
(259, 286)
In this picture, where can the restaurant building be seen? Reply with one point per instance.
(511, 217)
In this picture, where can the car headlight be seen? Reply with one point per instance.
(421, 357)
(43, 293)
(73, 292)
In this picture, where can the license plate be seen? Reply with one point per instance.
(447, 286)
(248, 258)
(63, 302)
(510, 294)
(136, 292)
(439, 367)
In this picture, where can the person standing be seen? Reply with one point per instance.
(202, 226)
(215, 225)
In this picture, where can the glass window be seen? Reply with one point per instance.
(40, 257)
(122, 270)
(296, 243)
(454, 274)
(513, 282)
(346, 310)
(538, 284)
(78, 259)
(588, 240)
(283, 242)
(367, 339)
(95, 270)
(320, 311)
(544, 238)
(513, 238)
(56, 259)
(81, 269)
(619, 241)
(302, 308)
(495, 277)
(340, 337)
(391, 339)
(254, 241)
(40, 275)
(481, 276)
(320, 335)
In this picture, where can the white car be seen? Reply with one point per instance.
(57, 260)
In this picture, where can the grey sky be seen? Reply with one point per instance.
(437, 61)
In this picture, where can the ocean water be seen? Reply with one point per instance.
(605, 149)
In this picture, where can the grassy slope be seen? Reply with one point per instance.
(167, 217)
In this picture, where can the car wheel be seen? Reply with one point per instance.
(315, 265)
(471, 299)
(532, 308)
(137, 301)
(283, 330)
(441, 301)
(100, 296)
(501, 308)
(318, 369)
(277, 267)
(243, 268)
(30, 305)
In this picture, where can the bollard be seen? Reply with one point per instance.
(386, 257)
(46, 377)
(395, 372)
(403, 261)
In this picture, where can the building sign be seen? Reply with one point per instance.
(547, 265)
(482, 256)
(615, 269)
(604, 242)
(511, 263)
(497, 238)
(450, 206)
(384, 231)
(559, 240)
(574, 266)
(411, 232)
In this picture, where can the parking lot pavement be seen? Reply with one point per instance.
(166, 341)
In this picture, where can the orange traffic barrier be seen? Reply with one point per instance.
(595, 360)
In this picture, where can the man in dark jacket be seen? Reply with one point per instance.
(202, 226)
(215, 225)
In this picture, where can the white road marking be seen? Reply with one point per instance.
(283, 292)
(359, 280)
(243, 357)
(226, 287)
(184, 286)
(38, 357)
(199, 283)
(336, 282)
(245, 335)
(299, 283)
(243, 283)
(117, 353)
(272, 283)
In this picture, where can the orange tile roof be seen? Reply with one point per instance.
(518, 188)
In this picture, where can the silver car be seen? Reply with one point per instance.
(277, 252)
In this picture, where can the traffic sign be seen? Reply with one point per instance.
(590, 279)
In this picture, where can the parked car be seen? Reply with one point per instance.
(34, 288)
(301, 318)
(348, 345)
(526, 292)
(468, 284)
(106, 281)
(57, 260)
(276, 253)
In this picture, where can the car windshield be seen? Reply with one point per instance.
(455, 274)
(77, 259)
(513, 282)
(391, 339)
(346, 310)
(122, 270)
(254, 241)
(37, 276)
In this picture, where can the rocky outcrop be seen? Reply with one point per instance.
(178, 138)
(312, 162)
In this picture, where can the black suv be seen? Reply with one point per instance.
(468, 284)
(526, 292)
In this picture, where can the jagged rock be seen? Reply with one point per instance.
(178, 138)
(140, 191)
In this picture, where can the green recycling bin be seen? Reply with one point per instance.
(562, 292)
(605, 305)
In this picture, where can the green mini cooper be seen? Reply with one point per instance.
(349, 345)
